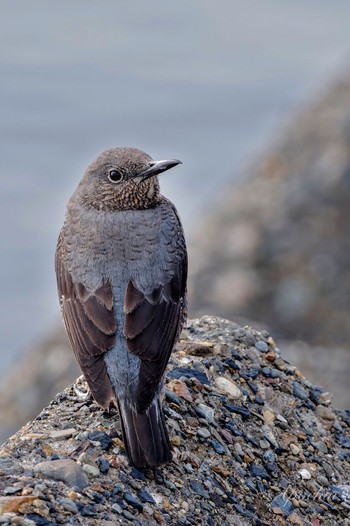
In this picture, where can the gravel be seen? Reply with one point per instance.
(279, 457)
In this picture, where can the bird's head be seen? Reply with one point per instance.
(123, 179)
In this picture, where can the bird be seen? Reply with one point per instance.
(121, 268)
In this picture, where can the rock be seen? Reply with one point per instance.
(130, 499)
(205, 412)
(295, 449)
(100, 436)
(13, 504)
(231, 463)
(277, 249)
(305, 474)
(180, 389)
(66, 470)
(325, 412)
(281, 504)
(203, 432)
(91, 470)
(62, 433)
(68, 505)
(228, 387)
(299, 391)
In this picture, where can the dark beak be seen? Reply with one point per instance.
(157, 167)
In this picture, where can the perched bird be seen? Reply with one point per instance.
(121, 267)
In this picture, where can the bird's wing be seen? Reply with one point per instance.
(153, 321)
(91, 325)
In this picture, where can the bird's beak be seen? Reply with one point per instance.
(157, 167)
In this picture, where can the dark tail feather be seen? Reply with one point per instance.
(145, 436)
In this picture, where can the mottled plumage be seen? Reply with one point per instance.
(121, 268)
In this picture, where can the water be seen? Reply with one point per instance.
(204, 82)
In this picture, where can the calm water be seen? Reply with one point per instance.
(205, 82)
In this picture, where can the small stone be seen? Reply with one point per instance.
(268, 416)
(144, 496)
(12, 504)
(268, 434)
(66, 470)
(91, 470)
(171, 397)
(205, 412)
(262, 346)
(228, 387)
(175, 440)
(281, 505)
(219, 448)
(203, 432)
(299, 391)
(12, 490)
(116, 508)
(242, 411)
(325, 412)
(322, 480)
(180, 389)
(294, 518)
(295, 449)
(136, 474)
(305, 474)
(130, 499)
(321, 446)
(270, 356)
(101, 437)
(185, 372)
(281, 419)
(199, 489)
(227, 435)
(103, 465)
(259, 471)
(68, 504)
(62, 433)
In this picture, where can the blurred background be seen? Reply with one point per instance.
(253, 97)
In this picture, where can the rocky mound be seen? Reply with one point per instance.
(254, 444)
(276, 246)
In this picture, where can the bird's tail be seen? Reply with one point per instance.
(145, 436)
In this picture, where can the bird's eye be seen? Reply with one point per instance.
(115, 176)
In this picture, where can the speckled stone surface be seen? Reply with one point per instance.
(254, 443)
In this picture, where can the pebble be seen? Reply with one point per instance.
(295, 449)
(103, 465)
(66, 470)
(144, 496)
(305, 474)
(91, 470)
(224, 466)
(68, 504)
(206, 412)
(299, 391)
(199, 489)
(219, 448)
(228, 387)
(325, 412)
(262, 346)
(130, 499)
(259, 471)
(179, 372)
(203, 432)
(129, 516)
(282, 503)
(242, 411)
(100, 436)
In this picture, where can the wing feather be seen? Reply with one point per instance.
(151, 327)
(91, 326)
